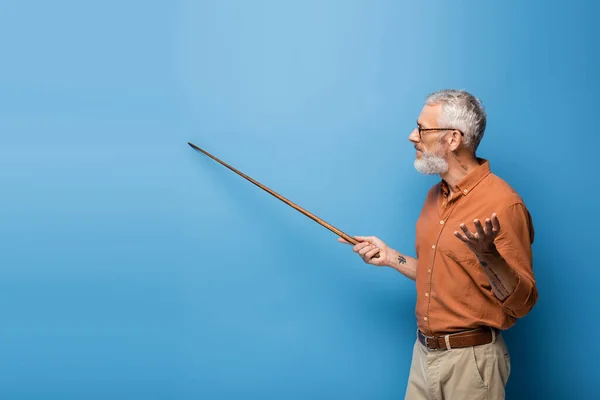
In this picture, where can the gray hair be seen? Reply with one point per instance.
(461, 110)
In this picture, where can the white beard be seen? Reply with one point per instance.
(431, 164)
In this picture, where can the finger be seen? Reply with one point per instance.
(342, 240)
(370, 254)
(488, 227)
(371, 239)
(366, 249)
(479, 228)
(495, 224)
(461, 236)
(363, 238)
(360, 246)
(468, 234)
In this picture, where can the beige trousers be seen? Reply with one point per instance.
(469, 373)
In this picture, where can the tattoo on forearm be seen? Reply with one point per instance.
(401, 259)
(495, 280)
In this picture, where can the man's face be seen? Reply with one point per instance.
(432, 153)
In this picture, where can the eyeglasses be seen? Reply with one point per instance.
(435, 129)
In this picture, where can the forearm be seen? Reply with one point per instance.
(501, 276)
(406, 265)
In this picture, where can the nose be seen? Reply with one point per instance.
(414, 136)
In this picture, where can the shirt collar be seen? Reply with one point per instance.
(469, 182)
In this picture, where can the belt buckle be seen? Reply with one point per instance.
(427, 343)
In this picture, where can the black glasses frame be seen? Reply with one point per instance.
(436, 129)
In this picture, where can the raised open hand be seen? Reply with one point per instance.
(482, 240)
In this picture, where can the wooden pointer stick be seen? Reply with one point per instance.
(280, 197)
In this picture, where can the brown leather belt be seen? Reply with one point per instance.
(475, 337)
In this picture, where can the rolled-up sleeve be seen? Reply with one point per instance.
(514, 245)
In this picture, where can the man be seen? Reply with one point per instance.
(473, 265)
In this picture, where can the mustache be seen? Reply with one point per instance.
(421, 149)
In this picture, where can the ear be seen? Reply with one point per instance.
(454, 140)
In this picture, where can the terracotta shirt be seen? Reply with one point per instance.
(453, 291)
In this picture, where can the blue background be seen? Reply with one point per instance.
(133, 267)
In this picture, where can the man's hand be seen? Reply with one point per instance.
(368, 247)
(481, 241)
(388, 257)
(501, 276)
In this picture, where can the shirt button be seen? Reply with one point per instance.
(429, 270)
(425, 318)
(426, 294)
(433, 247)
(442, 222)
(465, 191)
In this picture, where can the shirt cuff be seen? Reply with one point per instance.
(516, 302)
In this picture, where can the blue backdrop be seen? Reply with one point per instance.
(133, 267)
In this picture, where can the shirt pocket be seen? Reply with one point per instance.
(460, 254)
(468, 275)
(467, 261)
